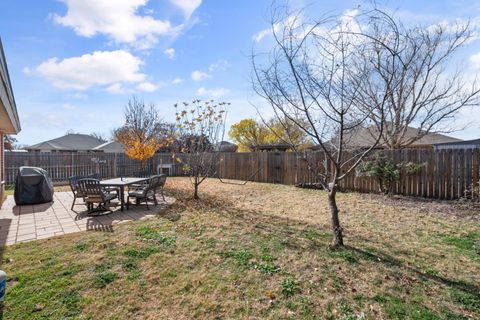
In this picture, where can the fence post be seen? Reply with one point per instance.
(114, 166)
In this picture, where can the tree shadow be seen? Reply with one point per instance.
(383, 258)
(290, 229)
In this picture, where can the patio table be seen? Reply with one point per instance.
(121, 183)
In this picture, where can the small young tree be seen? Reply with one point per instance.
(200, 127)
(143, 132)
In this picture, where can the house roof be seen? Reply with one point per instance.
(69, 142)
(460, 143)
(464, 144)
(110, 146)
(365, 137)
(272, 146)
(9, 121)
(226, 146)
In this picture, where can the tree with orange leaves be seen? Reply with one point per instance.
(143, 132)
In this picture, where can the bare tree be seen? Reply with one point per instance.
(10, 142)
(100, 136)
(310, 77)
(414, 64)
(200, 127)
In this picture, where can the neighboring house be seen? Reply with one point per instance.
(458, 145)
(110, 147)
(225, 146)
(363, 138)
(74, 142)
(272, 147)
(9, 121)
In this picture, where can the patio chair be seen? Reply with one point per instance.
(149, 191)
(73, 182)
(93, 193)
(162, 178)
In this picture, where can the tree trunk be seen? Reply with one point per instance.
(195, 185)
(336, 228)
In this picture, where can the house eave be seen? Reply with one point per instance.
(7, 99)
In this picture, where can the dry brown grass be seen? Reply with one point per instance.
(258, 251)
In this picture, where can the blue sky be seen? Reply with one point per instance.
(74, 63)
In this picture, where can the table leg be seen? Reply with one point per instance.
(122, 197)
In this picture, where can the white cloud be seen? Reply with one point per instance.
(97, 68)
(187, 6)
(68, 106)
(170, 53)
(221, 64)
(148, 87)
(213, 93)
(198, 75)
(116, 88)
(79, 95)
(118, 20)
(257, 37)
(177, 81)
(475, 59)
(291, 21)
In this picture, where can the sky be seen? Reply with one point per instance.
(75, 63)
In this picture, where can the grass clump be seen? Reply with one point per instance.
(242, 257)
(289, 287)
(152, 235)
(102, 279)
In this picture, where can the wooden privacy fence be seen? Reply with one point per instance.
(445, 174)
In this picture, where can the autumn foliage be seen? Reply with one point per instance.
(143, 132)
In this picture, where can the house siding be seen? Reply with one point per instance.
(2, 169)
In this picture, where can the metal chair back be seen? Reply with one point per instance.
(162, 178)
(91, 189)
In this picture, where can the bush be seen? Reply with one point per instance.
(385, 171)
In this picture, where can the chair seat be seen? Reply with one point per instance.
(110, 189)
(106, 197)
(110, 196)
(138, 193)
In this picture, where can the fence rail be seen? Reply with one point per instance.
(445, 174)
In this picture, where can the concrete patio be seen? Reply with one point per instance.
(41, 221)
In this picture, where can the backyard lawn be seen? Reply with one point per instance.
(258, 251)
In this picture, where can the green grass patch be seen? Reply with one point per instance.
(467, 300)
(397, 308)
(241, 256)
(102, 279)
(467, 244)
(153, 235)
(344, 254)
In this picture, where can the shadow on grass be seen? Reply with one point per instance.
(381, 257)
(293, 230)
